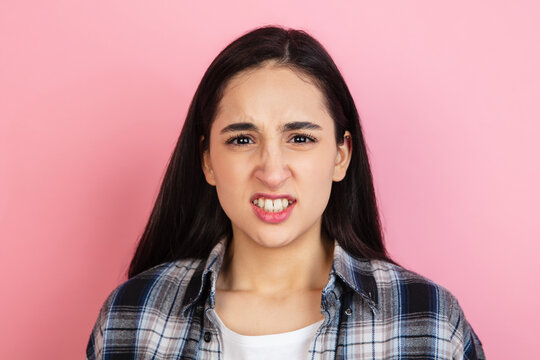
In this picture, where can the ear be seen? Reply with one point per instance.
(343, 157)
(207, 165)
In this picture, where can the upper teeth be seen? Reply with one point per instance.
(269, 205)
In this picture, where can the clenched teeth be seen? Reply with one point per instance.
(269, 205)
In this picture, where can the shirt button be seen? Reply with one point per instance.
(348, 312)
(207, 336)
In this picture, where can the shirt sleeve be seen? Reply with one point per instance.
(465, 343)
(94, 349)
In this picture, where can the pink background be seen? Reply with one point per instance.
(92, 99)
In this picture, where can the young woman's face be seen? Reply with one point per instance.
(273, 156)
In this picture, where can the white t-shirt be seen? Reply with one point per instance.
(289, 345)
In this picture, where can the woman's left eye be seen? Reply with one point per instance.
(302, 138)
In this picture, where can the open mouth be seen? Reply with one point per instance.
(272, 205)
(272, 208)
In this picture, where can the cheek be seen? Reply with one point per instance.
(230, 176)
(317, 166)
(314, 176)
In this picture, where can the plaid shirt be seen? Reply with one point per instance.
(372, 309)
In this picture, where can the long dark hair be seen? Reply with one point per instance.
(187, 219)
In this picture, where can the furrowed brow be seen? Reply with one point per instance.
(291, 126)
(299, 125)
(242, 126)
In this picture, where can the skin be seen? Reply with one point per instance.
(273, 274)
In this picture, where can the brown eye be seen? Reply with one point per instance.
(302, 138)
(240, 140)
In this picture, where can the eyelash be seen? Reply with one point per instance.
(309, 137)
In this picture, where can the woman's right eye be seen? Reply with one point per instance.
(239, 140)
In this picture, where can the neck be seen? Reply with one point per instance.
(303, 264)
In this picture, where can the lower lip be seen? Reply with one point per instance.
(272, 217)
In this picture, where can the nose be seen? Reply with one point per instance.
(273, 169)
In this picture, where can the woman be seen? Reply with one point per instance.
(265, 241)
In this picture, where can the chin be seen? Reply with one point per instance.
(273, 243)
(273, 240)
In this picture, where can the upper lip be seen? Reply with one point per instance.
(272, 196)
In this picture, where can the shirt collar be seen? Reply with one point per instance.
(355, 273)
(205, 276)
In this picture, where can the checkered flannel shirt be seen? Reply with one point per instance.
(372, 309)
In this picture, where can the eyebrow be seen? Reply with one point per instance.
(291, 126)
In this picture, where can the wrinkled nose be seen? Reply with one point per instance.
(273, 170)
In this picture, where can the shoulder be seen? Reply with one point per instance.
(155, 288)
(143, 304)
(423, 306)
(151, 294)
(413, 292)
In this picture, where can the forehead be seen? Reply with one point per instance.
(271, 95)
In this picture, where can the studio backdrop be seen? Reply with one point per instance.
(93, 95)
